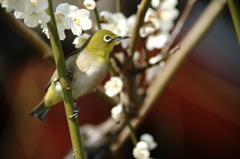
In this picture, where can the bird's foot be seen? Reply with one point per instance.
(55, 80)
(75, 112)
(69, 74)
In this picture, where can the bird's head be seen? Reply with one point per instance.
(102, 42)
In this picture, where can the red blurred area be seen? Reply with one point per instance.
(197, 116)
(28, 135)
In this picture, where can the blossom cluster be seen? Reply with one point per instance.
(33, 13)
(112, 88)
(143, 147)
(158, 22)
(71, 17)
(118, 24)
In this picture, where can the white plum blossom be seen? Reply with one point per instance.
(168, 4)
(155, 59)
(62, 19)
(81, 20)
(155, 3)
(143, 147)
(32, 11)
(118, 24)
(149, 140)
(158, 23)
(152, 71)
(71, 17)
(10, 5)
(156, 41)
(114, 86)
(151, 23)
(89, 4)
(136, 57)
(141, 151)
(168, 14)
(36, 12)
(80, 40)
(92, 135)
(117, 112)
(146, 30)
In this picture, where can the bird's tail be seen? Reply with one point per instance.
(40, 111)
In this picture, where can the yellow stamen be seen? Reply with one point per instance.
(34, 2)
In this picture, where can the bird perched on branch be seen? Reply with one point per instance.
(87, 67)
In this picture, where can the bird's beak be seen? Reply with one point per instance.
(121, 38)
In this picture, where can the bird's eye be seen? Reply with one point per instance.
(107, 38)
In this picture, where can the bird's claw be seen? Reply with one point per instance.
(55, 80)
(69, 74)
(75, 112)
(74, 116)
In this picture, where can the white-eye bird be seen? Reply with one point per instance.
(88, 66)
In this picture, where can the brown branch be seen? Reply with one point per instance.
(142, 9)
(164, 58)
(188, 43)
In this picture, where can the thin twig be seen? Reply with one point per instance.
(130, 127)
(179, 25)
(188, 43)
(118, 5)
(97, 18)
(130, 80)
(142, 10)
(164, 58)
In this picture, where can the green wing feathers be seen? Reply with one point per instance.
(51, 98)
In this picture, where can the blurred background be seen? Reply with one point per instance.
(197, 116)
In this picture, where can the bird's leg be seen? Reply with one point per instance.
(75, 112)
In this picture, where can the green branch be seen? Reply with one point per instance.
(67, 93)
(131, 129)
(118, 5)
(97, 18)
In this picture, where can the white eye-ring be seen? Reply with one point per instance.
(107, 38)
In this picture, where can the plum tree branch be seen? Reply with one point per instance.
(188, 43)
